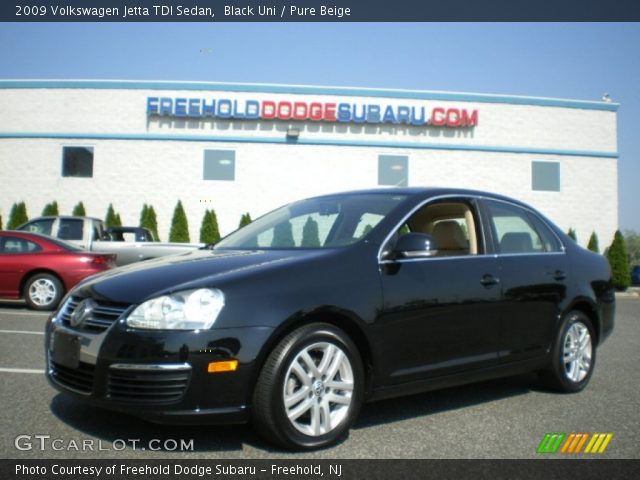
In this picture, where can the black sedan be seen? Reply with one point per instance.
(295, 320)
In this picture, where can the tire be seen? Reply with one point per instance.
(43, 291)
(573, 355)
(310, 389)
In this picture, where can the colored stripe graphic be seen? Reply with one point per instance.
(551, 442)
(574, 442)
(598, 443)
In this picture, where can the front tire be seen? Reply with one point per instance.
(573, 356)
(43, 291)
(310, 389)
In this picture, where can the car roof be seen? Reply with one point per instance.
(426, 192)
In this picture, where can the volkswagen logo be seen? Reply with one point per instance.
(82, 312)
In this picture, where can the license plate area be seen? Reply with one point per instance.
(66, 349)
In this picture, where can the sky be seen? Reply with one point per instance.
(561, 60)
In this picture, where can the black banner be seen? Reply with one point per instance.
(326, 469)
(318, 10)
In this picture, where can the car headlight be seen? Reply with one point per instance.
(188, 310)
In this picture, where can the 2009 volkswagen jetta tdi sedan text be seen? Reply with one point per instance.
(295, 320)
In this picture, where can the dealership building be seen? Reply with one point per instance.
(241, 148)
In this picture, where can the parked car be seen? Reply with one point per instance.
(41, 269)
(92, 234)
(295, 320)
(635, 275)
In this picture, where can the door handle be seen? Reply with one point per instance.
(488, 280)
(558, 275)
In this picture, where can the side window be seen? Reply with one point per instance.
(549, 239)
(39, 226)
(17, 245)
(70, 229)
(452, 224)
(514, 232)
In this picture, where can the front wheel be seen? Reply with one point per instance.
(310, 389)
(43, 291)
(574, 354)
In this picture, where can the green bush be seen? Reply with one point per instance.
(149, 220)
(112, 219)
(17, 216)
(79, 210)
(179, 226)
(0, 222)
(593, 243)
(617, 255)
(51, 209)
(209, 232)
(572, 235)
(283, 236)
(245, 220)
(310, 235)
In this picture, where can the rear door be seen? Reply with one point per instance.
(533, 272)
(16, 256)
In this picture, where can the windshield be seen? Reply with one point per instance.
(324, 222)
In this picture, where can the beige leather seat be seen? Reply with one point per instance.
(450, 238)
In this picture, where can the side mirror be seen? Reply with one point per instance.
(415, 245)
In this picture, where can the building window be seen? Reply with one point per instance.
(393, 170)
(77, 162)
(219, 165)
(545, 176)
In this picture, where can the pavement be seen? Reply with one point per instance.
(504, 418)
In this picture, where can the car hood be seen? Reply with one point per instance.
(138, 282)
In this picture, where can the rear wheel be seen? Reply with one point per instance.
(574, 354)
(310, 389)
(43, 291)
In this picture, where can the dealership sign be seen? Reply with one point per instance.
(343, 112)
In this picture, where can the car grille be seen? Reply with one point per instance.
(101, 317)
(78, 379)
(153, 386)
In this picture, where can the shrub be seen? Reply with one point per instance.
(245, 220)
(79, 210)
(283, 235)
(112, 219)
(179, 226)
(310, 235)
(149, 220)
(617, 255)
(17, 216)
(572, 235)
(593, 243)
(0, 222)
(51, 209)
(209, 232)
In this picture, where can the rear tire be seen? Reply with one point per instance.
(310, 389)
(43, 291)
(573, 355)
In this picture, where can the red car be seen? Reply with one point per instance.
(41, 269)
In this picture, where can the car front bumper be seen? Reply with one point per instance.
(158, 375)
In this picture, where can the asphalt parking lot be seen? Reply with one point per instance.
(499, 419)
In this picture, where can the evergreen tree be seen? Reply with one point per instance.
(617, 255)
(593, 243)
(179, 225)
(149, 221)
(118, 220)
(111, 220)
(0, 222)
(17, 216)
(572, 235)
(245, 220)
(209, 232)
(79, 210)
(50, 209)
(283, 236)
(310, 235)
(366, 230)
